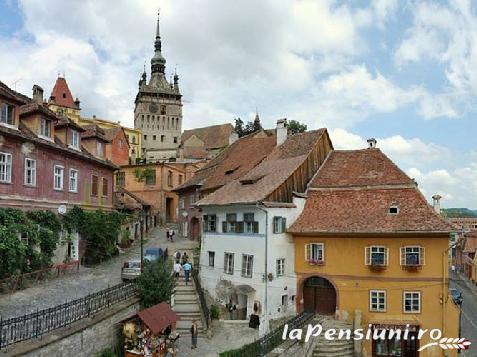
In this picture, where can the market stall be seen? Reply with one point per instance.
(151, 332)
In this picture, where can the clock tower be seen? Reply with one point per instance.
(158, 109)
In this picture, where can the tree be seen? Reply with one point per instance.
(295, 127)
(239, 127)
(156, 284)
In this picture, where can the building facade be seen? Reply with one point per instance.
(158, 109)
(246, 254)
(370, 250)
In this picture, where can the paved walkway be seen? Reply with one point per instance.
(226, 336)
(86, 281)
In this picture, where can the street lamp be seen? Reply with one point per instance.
(142, 214)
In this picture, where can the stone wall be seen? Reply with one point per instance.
(85, 338)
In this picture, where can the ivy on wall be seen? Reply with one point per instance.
(28, 240)
(144, 174)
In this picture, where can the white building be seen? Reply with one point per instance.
(247, 258)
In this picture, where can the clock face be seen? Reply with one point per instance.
(153, 108)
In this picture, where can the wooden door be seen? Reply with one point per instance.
(319, 296)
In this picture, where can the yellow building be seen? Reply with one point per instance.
(370, 250)
(62, 103)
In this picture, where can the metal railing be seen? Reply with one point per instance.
(267, 343)
(34, 325)
(202, 301)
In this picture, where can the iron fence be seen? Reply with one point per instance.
(267, 343)
(202, 301)
(34, 325)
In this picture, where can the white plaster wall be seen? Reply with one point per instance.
(279, 246)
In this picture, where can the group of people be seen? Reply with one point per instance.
(182, 264)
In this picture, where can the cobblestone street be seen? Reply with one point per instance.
(86, 281)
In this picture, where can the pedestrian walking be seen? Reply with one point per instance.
(177, 255)
(193, 333)
(185, 258)
(168, 234)
(171, 234)
(177, 269)
(187, 268)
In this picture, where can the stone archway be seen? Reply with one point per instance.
(319, 296)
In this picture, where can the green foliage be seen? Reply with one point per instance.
(108, 352)
(244, 129)
(214, 311)
(295, 127)
(156, 284)
(144, 174)
(99, 229)
(41, 230)
(459, 212)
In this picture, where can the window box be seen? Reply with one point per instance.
(376, 257)
(316, 262)
(412, 257)
(315, 253)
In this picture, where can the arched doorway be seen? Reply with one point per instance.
(319, 296)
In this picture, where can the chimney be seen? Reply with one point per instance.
(282, 131)
(233, 137)
(371, 143)
(38, 94)
(77, 103)
(436, 203)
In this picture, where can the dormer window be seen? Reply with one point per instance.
(393, 209)
(7, 114)
(99, 148)
(45, 127)
(75, 139)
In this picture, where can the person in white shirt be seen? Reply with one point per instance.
(177, 269)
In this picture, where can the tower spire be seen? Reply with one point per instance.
(158, 62)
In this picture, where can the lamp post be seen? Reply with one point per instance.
(141, 220)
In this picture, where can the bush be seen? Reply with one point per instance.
(108, 352)
(214, 312)
(156, 284)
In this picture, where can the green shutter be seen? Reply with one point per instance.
(224, 226)
(284, 224)
(206, 221)
(240, 227)
(255, 227)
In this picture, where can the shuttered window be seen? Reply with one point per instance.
(376, 255)
(228, 263)
(279, 225)
(315, 252)
(412, 256)
(210, 223)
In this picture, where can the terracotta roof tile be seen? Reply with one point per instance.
(264, 178)
(61, 94)
(94, 131)
(234, 161)
(470, 242)
(192, 152)
(158, 317)
(214, 136)
(359, 168)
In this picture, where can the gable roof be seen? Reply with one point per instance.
(61, 94)
(233, 162)
(352, 193)
(12, 95)
(214, 136)
(111, 134)
(94, 131)
(258, 183)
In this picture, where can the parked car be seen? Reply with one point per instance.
(456, 296)
(153, 254)
(131, 270)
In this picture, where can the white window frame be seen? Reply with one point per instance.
(418, 311)
(75, 139)
(279, 224)
(45, 127)
(378, 294)
(4, 114)
(70, 178)
(6, 166)
(248, 225)
(280, 267)
(376, 249)
(312, 254)
(29, 172)
(417, 249)
(229, 263)
(99, 148)
(60, 176)
(102, 187)
(247, 266)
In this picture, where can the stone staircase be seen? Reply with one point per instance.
(335, 348)
(187, 306)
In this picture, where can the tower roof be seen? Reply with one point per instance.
(61, 94)
(158, 62)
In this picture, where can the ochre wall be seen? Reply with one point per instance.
(344, 266)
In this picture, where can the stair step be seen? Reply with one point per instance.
(186, 308)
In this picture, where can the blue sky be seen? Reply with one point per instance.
(400, 71)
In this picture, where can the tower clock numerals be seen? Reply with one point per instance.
(153, 108)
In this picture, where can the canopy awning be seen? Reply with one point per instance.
(158, 317)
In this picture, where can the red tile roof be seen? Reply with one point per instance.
(359, 168)
(214, 136)
(353, 191)
(263, 179)
(470, 242)
(61, 94)
(158, 317)
(94, 131)
(238, 159)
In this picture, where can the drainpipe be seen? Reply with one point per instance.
(445, 270)
(260, 207)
